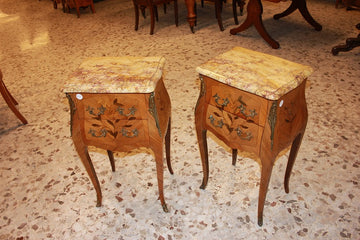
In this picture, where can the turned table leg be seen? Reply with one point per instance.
(191, 16)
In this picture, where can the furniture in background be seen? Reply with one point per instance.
(240, 4)
(218, 9)
(10, 100)
(254, 17)
(59, 1)
(349, 4)
(118, 104)
(152, 5)
(77, 4)
(349, 45)
(253, 102)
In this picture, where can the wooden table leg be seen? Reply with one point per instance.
(82, 150)
(167, 147)
(112, 161)
(301, 5)
(293, 152)
(191, 17)
(266, 169)
(201, 134)
(156, 145)
(254, 17)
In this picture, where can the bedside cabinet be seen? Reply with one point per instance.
(119, 104)
(253, 102)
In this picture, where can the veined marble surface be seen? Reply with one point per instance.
(46, 193)
(125, 74)
(255, 72)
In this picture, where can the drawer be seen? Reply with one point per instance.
(111, 106)
(236, 131)
(247, 106)
(114, 132)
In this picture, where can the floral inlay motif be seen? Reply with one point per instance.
(102, 126)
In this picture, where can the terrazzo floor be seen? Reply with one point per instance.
(46, 193)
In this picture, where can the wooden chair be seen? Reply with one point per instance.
(70, 4)
(152, 5)
(11, 102)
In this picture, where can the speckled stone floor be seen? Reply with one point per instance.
(46, 193)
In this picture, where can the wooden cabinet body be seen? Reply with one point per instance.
(251, 123)
(121, 122)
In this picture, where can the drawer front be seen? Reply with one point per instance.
(235, 131)
(111, 106)
(247, 106)
(110, 132)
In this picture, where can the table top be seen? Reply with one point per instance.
(125, 74)
(258, 73)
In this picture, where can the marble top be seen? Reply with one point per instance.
(262, 74)
(116, 75)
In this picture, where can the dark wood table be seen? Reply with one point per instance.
(254, 17)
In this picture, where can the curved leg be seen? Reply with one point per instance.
(167, 147)
(293, 152)
(266, 170)
(201, 133)
(305, 13)
(234, 156)
(204, 157)
(86, 160)
(301, 5)
(111, 158)
(287, 12)
(264, 34)
(82, 150)
(245, 25)
(158, 152)
(254, 17)
(11, 102)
